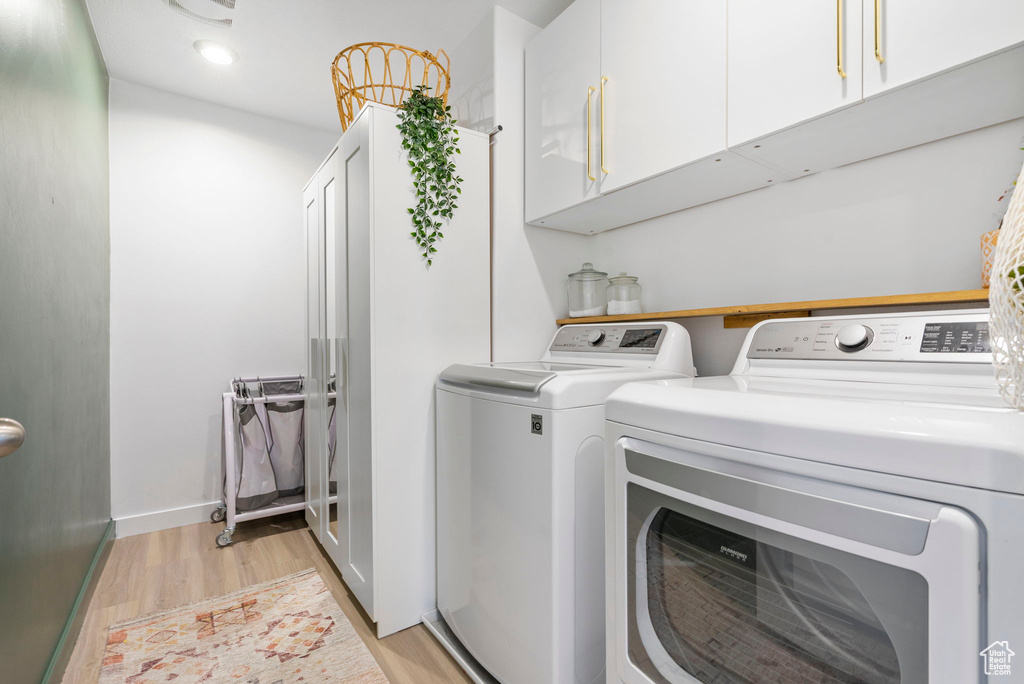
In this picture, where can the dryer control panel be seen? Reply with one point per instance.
(605, 339)
(928, 337)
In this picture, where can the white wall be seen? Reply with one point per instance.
(207, 283)
(903, 223)
(529, 264)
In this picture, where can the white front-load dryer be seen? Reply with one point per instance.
(520, 508)
(846, 506)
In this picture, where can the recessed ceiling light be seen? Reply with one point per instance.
(215, 52)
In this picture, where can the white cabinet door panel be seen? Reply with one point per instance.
(314, 321)
(562, 64)
(664, 100)
(783, 63)
(919, 38)
(957, 101)
(332, 186)
(355, 488)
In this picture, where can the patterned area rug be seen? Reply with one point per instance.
(285, 631)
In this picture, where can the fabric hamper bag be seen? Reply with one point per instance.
(284, 428)
(254, 472)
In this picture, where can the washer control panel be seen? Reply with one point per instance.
(955, 338)
(958, 339)
(609, 339)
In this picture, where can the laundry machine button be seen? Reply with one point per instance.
(853, 338)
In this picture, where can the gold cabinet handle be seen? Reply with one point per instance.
(604, 79)
(590, 151)
(878, 32)
(839, 38)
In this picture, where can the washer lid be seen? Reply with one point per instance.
(524, 376)
(543, 384)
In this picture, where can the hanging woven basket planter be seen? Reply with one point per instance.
(386, 73)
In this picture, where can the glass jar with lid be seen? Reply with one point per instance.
(623, 295)
(587, 291)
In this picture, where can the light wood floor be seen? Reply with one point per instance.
(161, 570)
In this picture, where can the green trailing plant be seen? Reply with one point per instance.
(430, 138)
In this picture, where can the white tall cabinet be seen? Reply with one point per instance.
(380, 326)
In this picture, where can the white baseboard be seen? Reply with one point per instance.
(164, 520)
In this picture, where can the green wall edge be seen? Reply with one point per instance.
(69, 637)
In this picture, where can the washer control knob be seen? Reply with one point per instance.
(595, 337)
(853, 338)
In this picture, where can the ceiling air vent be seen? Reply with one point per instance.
(193, 14)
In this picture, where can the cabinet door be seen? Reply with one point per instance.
(784, 63)
(313, 427)
(355, 470)
(919, 38)
(663, 89)
(334, 446)
(562, 78)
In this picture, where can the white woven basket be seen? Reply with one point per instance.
(1006, 302)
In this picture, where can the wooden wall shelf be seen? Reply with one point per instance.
(753, 313)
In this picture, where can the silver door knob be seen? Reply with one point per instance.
(12, 436)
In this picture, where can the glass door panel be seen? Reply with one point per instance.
(312, 388)
(338, 310)
(331, 183)
(714, 599)
(327, 193)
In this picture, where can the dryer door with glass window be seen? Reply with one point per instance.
(749, 575)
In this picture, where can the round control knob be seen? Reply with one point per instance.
(853, 338)
(595, 338)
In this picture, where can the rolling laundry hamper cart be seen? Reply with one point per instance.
(263, 450)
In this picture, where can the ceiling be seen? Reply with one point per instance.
(285, 47)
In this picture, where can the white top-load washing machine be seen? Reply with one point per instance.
(520, 498)
(846, 506)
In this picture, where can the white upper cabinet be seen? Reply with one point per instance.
(663, 89)
(791, 61)
(919, 38)
(626, 114)
(638, 108)
(563, 76)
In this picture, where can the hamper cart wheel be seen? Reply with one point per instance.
(219, 514)
(224, 538)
